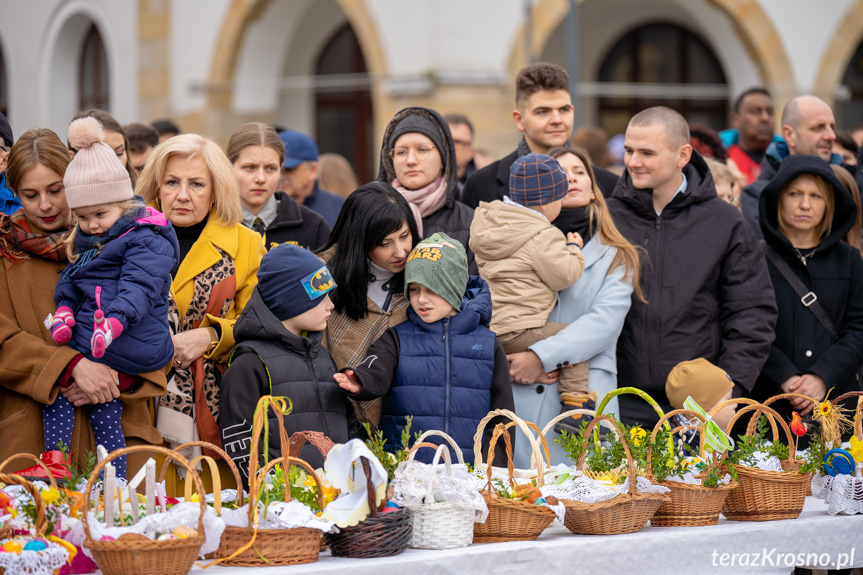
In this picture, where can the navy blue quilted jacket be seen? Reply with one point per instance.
(129, 280)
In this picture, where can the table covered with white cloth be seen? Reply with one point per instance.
(815, 540)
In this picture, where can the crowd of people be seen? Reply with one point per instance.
(154, 285)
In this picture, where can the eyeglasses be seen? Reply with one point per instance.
(420, 153)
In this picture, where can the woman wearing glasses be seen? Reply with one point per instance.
(418, 160)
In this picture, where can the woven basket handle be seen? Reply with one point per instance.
(542, 441)
(416, 447)
(41, 521)
(370, 488)
(286, 463)
(31, 457)
(94, 476)
(753, 421)
(741, 401)
(316, 438)
(858, 416)
(217, 482)
(435, 433)
(500, 430)
(773, 417)
(221, 453)
(633, 471)
(480, 431)
(441, 451)
(279, 405)
(662, 421)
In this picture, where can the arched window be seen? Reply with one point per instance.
(4, 89)
(663, 53)
(849, 109)
(344, 115)
(93, 89)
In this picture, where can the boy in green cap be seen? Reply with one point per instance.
(443, 367)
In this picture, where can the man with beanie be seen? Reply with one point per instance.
(300, 177)
(704, 382)
(526, 260)
(443, 367)
(9, 203)
(278, 352)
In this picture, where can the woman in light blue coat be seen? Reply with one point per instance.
(594, 307)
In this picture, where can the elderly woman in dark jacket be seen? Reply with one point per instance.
(418, 160)
(804, 214)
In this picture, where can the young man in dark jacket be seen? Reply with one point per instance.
(544, 114)
(704, 276)
(279, 353)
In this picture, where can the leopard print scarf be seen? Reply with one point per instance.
(190, 409)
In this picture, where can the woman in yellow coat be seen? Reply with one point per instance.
(191, 181)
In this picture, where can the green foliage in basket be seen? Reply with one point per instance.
(748, 445)
(301, 485)
(390, 461)
(77, 473)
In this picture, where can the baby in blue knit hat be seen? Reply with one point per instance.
(278, 352)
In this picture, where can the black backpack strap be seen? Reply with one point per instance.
(807, 296)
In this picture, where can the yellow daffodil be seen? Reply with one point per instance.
(195, 498)
(856, 449)
(50, 496)
(310, 482)
(637, 435)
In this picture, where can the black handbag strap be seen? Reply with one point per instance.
(807, 296)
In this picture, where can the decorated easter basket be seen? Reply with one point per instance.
(765, 495)
(510, 519)
(440, 525)
(691, 505)
(145, 557)
(625, 513)
(254, 547)
(317, 439)
(42, 562)
(842, 492)
(378, 535)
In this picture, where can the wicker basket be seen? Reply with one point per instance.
(253, 547)
(439, 525)
(144, 557)
(378, 535)
(509, 519)
(767, 495)
(625, 513)
(691, 505)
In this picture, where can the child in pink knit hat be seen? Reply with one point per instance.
(112, 299)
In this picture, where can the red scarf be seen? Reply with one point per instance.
(18, 242)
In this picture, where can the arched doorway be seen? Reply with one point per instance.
(4, 88)
(655, 54)
(343, 116)
(849, 110)
(93, 87)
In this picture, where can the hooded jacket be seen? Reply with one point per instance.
(129, 280)
(447, 375)
(296, 224)
(834, 273)
(454, 217)
(776, 152)
(270, 360)
(706, 283)
(525, 260)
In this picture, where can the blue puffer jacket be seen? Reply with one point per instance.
(129, 280)
(445, 372)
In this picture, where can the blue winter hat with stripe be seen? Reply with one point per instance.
(292, 280)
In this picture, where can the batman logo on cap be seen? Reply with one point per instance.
(318, 283)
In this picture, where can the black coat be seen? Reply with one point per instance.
(296, 224)
(270, 360)
(492, 182)
(835, 274)
(454, 218)
(706, 283)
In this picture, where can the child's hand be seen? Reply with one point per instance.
(575, 238)
(62, 323)
(348, 381)
(105, 330)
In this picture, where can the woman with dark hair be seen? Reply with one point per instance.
(366, 255)
(115, 137)
(805, 214)
(418, 160)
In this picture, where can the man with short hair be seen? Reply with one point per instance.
(544, 114)
(300, 177)
(9, 202)
(808, 128)
(142, 139)
(166, 129)
(462, 136)
(753, 120)
(707, 289)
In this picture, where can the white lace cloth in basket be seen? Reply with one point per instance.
(690, 479)
(34, 562)
(843, 493)
(279, 515)
(183, 514)
(411, 485)
(765, 462)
